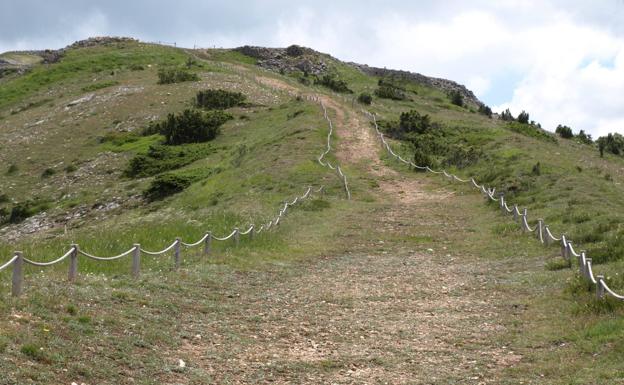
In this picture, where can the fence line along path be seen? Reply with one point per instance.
(541, 230)
(19, 260)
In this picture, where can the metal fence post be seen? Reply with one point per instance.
(73, 264)
(207, 243)
(176, 253)
(18, 275)
(136, 261)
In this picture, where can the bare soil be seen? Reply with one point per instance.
(382, 313)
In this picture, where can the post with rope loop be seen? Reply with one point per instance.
(236, 236)
(600, 291)
(207, 243)
(176, 253)
(523, 221)
(73, 264)
(568, 253)
(540, 232)
(251, 233)
(502, 202)
(547, 239)
(136, 261)
(584, 267)
(515, 212)
(18, 274)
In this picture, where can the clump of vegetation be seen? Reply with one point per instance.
(136, 67)
(160, 158)
(23, 210)
(294, 50)
(167, 184)
(365, 98)
(456, 98)
(218, 99)
(584, 138)
(48, 172)
(189, 126)
(564, 131)
(99, 86)
(507, 116)
(389, 89)
(332, 82)
(523, 117)
(485, 110)
(175, 75)
(12, 170)
(531, 130)
(612, 143)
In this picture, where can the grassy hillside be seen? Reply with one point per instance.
(70, 130)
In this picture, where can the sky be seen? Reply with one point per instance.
(561, 61)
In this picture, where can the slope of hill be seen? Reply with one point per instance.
(413, 280)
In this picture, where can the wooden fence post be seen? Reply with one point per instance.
(251, 233)
(176, 253)
(236, 236)
(540, 231)
(136, 261)
(73, 264)
(18, 275)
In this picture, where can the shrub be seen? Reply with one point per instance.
(218, 99)
(537, 169)
(564, 131)
(161, 158)
(613, 143)
(485, 110)
(294, 50)
(413, 121)
(12, 170)
(584, 138)
(456, 98)
(175, 75)
(26, 209)
(70, 168)
(190, 126)
(523, 117)
(365, 98)
(167, 184)
(422, 159)
(48, 172)
(333, 83)
(507, 116)
(136, 67)
(389, 89)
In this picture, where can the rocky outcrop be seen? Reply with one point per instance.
(287, 60)
(101, 40)
(297, 58)
(444, 85)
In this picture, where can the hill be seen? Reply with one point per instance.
(413, 279)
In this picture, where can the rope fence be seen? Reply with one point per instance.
(18, 260)
(541, 230)
(320, 159)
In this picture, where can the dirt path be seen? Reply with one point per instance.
(393, 315)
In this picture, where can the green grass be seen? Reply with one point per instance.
(82, 63)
